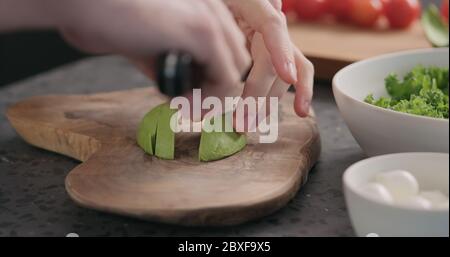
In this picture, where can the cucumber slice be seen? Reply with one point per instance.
(219, 145)
(165, 137)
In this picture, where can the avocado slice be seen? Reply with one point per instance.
(156, 137)
(146, 135)
(165, 137)
(219, 145)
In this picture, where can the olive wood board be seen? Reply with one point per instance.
(331, 46)
(116, 176)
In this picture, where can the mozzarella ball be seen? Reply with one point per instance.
(378, 192)
(436, 198)
(401, 184)
(418, 202)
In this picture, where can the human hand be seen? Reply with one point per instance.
(277, 61)
(263, 80)
(142, 29)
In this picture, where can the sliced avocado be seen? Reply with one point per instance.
(157, 138)
(146, 135)
(218, 145)
(165, 137)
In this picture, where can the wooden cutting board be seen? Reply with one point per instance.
(332, 46)
(117, 176)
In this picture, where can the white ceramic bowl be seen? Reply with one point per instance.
(371, 217)
(380, 131)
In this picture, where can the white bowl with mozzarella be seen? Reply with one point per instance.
(403, 194)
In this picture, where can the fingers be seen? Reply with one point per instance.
(277, 40)
(277, 4)
(80, 41)
(271, 23)
(259, 81)
(206, 41)
(279, 88)
(304, 86)
(262, 75)
(233, 35)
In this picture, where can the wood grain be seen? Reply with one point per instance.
(117, 176)
(332, 46)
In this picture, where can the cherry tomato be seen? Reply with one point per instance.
(385, 4)
(340, 9)
(366, 12)
(288, 6)
(444, 9)
(402, 13)
(311, 9)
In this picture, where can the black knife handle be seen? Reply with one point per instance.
(178, 73)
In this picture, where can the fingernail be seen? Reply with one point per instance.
(292, 71)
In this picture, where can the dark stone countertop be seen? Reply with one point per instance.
(33, 201)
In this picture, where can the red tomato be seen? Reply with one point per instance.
(311, 9)
(340, 9)
(402, 13)
(288, 6)
(385, 4)
(444, 9)
(366, 12)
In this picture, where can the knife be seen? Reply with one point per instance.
(178, 73)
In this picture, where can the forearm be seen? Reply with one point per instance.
(28, 14)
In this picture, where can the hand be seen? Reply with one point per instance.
(277, 62)
(141, 29)
(263, 79)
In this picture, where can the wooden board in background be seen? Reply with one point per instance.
(117, 176)
(333, 46)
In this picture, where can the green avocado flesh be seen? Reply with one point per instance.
(154, 134)
(156, 137)
(146, 136)
(165, 137)
(219, 145)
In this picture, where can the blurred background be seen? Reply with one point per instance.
(23, 54)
